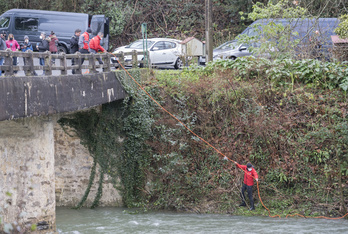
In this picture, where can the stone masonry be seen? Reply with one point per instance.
(27, 198)
(73, 165)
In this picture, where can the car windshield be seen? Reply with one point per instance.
(139, 44)
(4, 22)
(230, 45)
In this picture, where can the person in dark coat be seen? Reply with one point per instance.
(74, 45)
(3, 46)
(43, 46)
(25, 46)
(249, 175)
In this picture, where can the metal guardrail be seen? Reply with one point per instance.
(29, 68)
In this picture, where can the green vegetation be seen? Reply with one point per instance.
(291, 123)
(116, 138)
(273, 38)
(289, 118)
(33, 227)
(342, 29)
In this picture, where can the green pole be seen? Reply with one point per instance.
(144, 33)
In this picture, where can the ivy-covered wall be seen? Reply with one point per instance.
(73, 165)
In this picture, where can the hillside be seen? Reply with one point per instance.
(292, 128)
(288, 118)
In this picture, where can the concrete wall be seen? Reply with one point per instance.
(48, 95)
(27, 174)
(72, 168)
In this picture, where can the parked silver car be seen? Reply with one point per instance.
(228, 50)
(163, 52)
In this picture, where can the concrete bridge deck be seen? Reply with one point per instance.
(45, 95)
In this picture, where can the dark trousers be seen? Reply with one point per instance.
(98, 59)
(14, 62)
(53, 61)
(42, 63)
(73, 63)
(249, 189)
(83, 51)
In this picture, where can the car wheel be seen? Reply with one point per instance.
(62, 49)
(233, 58)
(178, 64)
(141, 65)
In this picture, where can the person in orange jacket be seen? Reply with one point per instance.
(249, 175)
(94, 45)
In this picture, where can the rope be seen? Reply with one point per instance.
(218, 151)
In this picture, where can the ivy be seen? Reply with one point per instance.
(342, 29)
(116, 139)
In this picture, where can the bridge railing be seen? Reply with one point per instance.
(129, 59)
(30, 68)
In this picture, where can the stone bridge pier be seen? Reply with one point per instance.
(27, 194)
(29, 110)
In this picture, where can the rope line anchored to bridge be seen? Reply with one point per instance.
(219, 152)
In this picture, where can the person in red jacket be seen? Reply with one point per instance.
(94, 45)
(249, 175)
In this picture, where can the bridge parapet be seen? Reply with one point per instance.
(29, 66)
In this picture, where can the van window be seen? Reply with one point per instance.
(26, 24)
(4, 22)
(62, 25)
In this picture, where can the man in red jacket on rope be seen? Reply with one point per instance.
(249, 175)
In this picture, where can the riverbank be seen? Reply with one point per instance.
(289, 118)
(291, 127)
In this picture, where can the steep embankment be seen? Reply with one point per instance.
(289, 118)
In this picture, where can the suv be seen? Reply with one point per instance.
(163, 52)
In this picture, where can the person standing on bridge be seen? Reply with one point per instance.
(94, 45)
(43, 46)
(53, 45)
(249, 175)
(84, 43)
(14, 46)
(3, 46)
(74, 46)
(25, 46)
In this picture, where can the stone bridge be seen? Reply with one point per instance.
(30, 105)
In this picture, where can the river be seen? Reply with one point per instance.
(117, 220)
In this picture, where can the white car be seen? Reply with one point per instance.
(162, 52)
